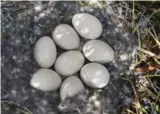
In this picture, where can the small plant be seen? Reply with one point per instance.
(7, 105)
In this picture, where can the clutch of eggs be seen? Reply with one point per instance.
(64, 36)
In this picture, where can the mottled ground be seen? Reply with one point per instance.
(23, 23)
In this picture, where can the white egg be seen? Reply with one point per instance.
(46, 80)
(71, 86)
(87, 25)
(45, 52)
(95, 75)
(98, 51)
(66, 37)
(69, 63)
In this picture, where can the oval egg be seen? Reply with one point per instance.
(71, 86)
(95, 75)
(98, 51)
(45, 52)
(46, 80)
(69, 63)
(66, 37)
(87, 25)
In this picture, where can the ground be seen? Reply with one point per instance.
(131, 28)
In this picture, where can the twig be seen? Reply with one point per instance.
(149, 76)
(148, 53)
(155, 39)
(148, 68)
(133, 16)
(134, 90)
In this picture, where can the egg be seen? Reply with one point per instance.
(66, 37)
(69, 62)
(71, 86)
(95, 75)
(46, 80)
(98, 51)
(45, 52)
(87, 25)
